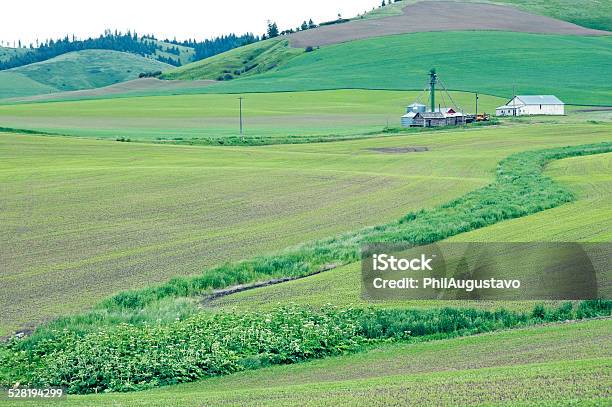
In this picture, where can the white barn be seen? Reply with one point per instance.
(532, 105)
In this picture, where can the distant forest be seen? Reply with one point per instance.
(127, 42)
(208, 48)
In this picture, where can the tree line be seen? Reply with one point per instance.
(214, 46)
(126, 42)
(116, 41)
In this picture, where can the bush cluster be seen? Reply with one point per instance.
(128, 357)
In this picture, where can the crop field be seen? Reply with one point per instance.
(192, 118)
(513, 367)
(441, 16)
(587, 13)
(202, 206)
(198, 207)
(580, 64)
(194, 235)
(586, 220)
(135, 87)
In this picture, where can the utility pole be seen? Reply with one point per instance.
(240, 98)
(513, 100)
(476, 104)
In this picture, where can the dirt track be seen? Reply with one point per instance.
(133, 86)
(440, 16)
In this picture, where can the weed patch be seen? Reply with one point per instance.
(128, 357)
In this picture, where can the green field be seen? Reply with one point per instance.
(14, 84)
(586, 220)
(203, 206)
(125, 216)
(76, 70)
(571, 67)
(84, 219)
(192, 118)
(508, 368)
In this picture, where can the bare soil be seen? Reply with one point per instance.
(133, 86)
(440, 16)
(399, 150)
(245, 287)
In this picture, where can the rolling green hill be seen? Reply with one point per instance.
(249, 60)
(14, 84)
(573, 68)
(186, 55)
(6, 52)
(76, 70)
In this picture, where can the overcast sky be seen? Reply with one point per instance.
(28, 20)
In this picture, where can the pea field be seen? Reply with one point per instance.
(193, 234)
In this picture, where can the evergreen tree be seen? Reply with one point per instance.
(272, 30)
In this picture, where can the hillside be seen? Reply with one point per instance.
(76, 70)
(489, 48)
(14, 84)
(440, 16)
(594, 14)
(244, 61)
(6, 52)
(575, 68)
(186, 54)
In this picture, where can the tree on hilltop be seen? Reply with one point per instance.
(272, 30)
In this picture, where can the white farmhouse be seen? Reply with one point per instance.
(531, 105)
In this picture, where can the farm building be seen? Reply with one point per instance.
(411, 111)
(441, 117)
(419, 115)
(532, 105)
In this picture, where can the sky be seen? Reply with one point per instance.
(27, 20)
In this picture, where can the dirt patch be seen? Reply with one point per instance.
(399, 150)
(440, 16)
(244, 287)
(133, 86)
(594, 109)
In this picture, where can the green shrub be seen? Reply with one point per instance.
(127, 357)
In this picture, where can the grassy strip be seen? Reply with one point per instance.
(126, 357)
(267, 140)
(520, 189)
